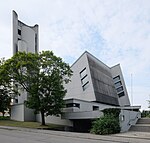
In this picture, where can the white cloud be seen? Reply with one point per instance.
(114, 31)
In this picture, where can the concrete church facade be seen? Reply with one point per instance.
(25, 39)
(94, 86)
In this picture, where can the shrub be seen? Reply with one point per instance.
(145, 114)
(4, 118)
(108, 124)
(112, 111)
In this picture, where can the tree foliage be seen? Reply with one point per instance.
(5, 89)
(42, 76)
(112, 111)
(5, 100)
(108, 124)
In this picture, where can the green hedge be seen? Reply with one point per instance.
(108, 124)
(4, 118)
(112, 111)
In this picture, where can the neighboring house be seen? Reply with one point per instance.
(94, 86)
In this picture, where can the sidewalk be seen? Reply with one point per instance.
(134, 134)
(121, 137)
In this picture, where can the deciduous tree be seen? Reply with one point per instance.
(5, 89)
(42, 76)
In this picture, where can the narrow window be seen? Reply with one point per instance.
(121, 94)
(19, 32)
(84, 79)
(16, 100)
(85, 86)
(119, 89)
(116, 79)
(36, 50)
(16, 48)
(73, 105)
(95, 108)
(118, 84)
(83, 73)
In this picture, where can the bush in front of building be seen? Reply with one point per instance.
(5, 118)
(145, 113)
(108, 124)
(112, 111)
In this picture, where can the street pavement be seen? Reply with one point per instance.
(25, 135)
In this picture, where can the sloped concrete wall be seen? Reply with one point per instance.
(128, 118)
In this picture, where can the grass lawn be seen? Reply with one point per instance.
(34, 125)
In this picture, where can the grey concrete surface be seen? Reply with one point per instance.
(24, 135)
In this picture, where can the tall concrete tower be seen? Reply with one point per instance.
(25, 39)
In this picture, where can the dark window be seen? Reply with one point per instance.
(19, 32)
(117, 78)
(119, 89)
(95, 108)
(19, 38)
(73, 105)
(83, 73)
(16, 100)
(121, 94)
(84, 79)
(85, 86)
(36, 43)
(118, 84)
(16, 48)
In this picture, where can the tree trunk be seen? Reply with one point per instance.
(43, 118)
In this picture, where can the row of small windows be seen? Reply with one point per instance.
(118, 86)
(78, 106)
(84, 79)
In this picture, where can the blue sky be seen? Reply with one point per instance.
(115, 31)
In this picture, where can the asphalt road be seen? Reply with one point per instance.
(31, 136)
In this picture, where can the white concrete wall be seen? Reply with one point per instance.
(20, 112)
(86, 106)
(128, 118)
(74, 88)
(22, 97)
(83, 115)
(85, 111)
(14, 31)
(28, 35)
(17, 112)
(22, 46)
(29, 114)
(55, 120)
(29, 38)
(26, 41)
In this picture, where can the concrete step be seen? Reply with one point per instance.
(144, 121)
(140, 127)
